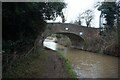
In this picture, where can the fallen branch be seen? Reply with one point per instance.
(29, 51)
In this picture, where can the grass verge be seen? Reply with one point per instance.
(68, 66)
(35, 65)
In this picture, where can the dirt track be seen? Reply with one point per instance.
(46, 64)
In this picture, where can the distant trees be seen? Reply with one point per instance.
(78, 22)
(109, 12)
(87, 15)
(51, 10)
(110, 29)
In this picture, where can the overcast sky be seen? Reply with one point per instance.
(76, 7)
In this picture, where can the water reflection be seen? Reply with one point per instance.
(51, 45)
(91, 65)
(88, 64)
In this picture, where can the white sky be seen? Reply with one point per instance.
(76, 7)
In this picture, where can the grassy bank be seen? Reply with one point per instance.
(42, 64)
(68, 66)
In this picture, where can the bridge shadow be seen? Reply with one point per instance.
(74, 41)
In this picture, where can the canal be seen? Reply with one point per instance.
(87, 64)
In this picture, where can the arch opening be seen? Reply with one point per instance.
(76, 41)
(65, 40)
(55, 41)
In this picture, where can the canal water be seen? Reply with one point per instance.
(87, 64)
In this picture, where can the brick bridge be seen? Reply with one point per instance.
(78, 35)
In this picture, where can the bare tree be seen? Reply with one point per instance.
(88, 15)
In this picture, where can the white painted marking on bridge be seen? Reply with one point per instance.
(66, 29)
(81, 33)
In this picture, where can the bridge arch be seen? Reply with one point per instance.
(78, 35)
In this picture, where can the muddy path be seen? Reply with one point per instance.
(45, 64)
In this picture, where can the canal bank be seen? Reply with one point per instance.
(43, 64)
